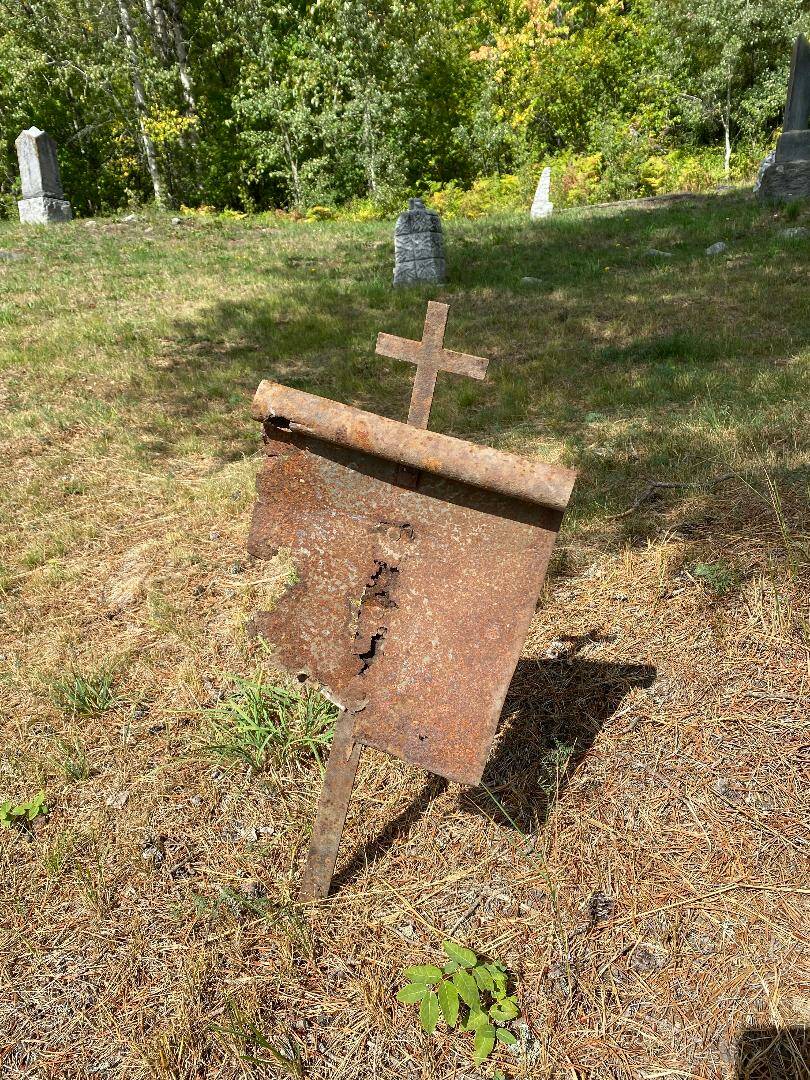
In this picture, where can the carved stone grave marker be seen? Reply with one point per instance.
(418, 246)
(419, 559)
(43, 201)
(786, 174)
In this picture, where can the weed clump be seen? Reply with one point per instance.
(85, 695)
(271, 726)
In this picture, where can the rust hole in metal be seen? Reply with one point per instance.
(375, 600)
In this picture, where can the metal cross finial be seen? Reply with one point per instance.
(430, 358)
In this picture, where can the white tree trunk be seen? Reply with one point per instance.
(181, 52)
(726, 122)
(139, 95)
(292, 164)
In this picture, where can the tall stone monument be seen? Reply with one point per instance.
(418, 246)
(786, 174)
(542, 205)
(43, 201)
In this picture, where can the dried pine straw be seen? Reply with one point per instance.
(638, 859)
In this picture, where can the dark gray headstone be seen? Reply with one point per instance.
(797, 104)
(43, 200)
(418, 246)
(785, 172)
(785, 180)
(793, 146)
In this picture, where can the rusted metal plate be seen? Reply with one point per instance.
(411, 605)
(418, 560)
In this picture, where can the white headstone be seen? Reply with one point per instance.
(43, 200)
(542, 205)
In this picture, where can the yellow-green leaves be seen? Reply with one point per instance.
(481, 986)
(23, 814)
(503, 1011)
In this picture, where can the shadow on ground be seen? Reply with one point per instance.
(554, 711)
(768, 1053)
(644, 368)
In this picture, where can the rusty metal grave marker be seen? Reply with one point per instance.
(419, 560)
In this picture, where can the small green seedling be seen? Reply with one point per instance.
(468, 993)
(24, 814)
(720, 577)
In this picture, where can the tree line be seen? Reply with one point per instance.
(253, 104)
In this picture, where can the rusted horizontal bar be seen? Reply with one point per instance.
(429, 451)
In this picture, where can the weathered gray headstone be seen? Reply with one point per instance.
(43, 200)
(418, 246)
(797, 103)
(785, 173)
(541, 204)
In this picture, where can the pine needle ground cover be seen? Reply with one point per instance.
(637, 859)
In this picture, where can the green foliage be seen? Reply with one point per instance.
(480, 986)
(266, 726)
(24, 814)
(85, 695)
(725, 63)
(316, 106)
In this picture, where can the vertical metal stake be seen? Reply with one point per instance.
(332, 807)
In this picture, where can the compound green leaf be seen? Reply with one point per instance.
(412, 993)
(467, 989)
(423, 973)
(506, 1037)
(484, 1042)
(465, 958)
(503, 1011)
(483, 977)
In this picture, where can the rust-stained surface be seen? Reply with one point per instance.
(418, 562)
(411, 606)
(429, 451)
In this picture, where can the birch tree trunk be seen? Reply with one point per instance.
(725, 119)
(181, 52)
(141, 108)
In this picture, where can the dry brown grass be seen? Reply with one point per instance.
(639, 857)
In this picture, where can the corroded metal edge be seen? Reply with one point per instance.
(416, 448)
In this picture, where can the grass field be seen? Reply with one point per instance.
(639, 856)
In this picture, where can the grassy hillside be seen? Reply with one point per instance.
(638, 856)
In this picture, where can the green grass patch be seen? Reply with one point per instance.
(267, 726)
